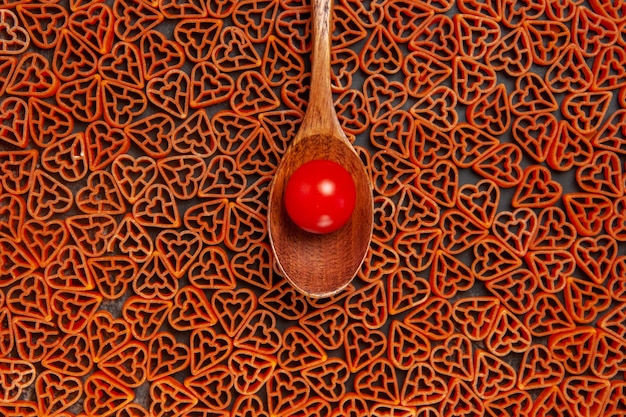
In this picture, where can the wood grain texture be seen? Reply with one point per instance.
(320, 265)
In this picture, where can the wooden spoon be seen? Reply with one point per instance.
(320, 265)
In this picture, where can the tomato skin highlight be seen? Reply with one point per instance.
(320, 196)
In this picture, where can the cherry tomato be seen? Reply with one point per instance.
(320, 196)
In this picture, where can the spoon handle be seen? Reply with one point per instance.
(320, 116)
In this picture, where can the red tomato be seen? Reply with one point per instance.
(320, 196)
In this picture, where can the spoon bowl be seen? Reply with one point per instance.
(320, 265)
